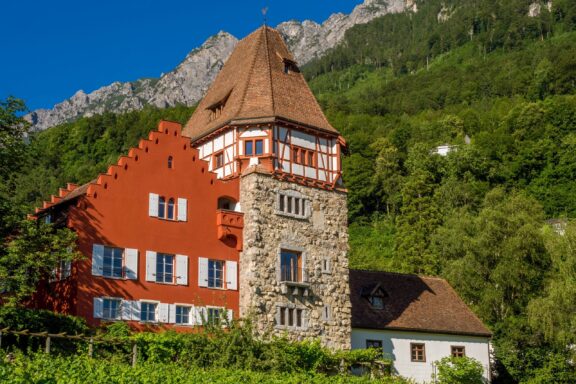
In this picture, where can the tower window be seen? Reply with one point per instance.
(287, 316)
(170, 162)
(253, 147)
(218, 160)
(291, 203)
(291, 266)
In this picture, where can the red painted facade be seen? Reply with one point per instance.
(114, 212)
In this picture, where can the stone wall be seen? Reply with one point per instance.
(322, 239)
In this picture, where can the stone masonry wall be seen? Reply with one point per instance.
(321, 237)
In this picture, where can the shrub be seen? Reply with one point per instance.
(458, 370)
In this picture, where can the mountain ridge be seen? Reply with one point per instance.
(189, 80)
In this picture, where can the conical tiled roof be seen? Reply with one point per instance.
(254, 87)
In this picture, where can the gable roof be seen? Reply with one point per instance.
(253, 87)
(413, 303)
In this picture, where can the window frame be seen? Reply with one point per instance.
(254, 146)
(291, 317)
(454, 353)
(118, 308)
(288, 200)
(188, 315)
(155, 313)
(214, 279)
(293, 260)
(122, 263)
(218, 160)
(210, 315)
(413, 350)
(163, 273)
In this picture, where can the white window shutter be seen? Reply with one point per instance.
(181, 270)
(163, 310)
(232, 275)
(98, 307)
(153, 205)
(97, 259)
(150, 266)
(131, 262)
(126, 310)
(202, 272)
(172, 313)
(136, 310)
(230, 315)
(182, 209)
(200, 315)
(192, 316)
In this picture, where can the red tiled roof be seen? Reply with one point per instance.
(254, 87)
(412, 303)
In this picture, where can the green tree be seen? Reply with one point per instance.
(459, 370)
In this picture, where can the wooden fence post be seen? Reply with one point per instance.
(47, 350)
(134, 354)
(91, 347)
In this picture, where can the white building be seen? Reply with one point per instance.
(416, 321)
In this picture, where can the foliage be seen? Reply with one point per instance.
(36, 320)
(457, 370)
(40, 368)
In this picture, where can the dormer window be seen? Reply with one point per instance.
(290, 66)
(217, 108)
(375, 295)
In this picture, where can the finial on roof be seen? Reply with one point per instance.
(264, 12)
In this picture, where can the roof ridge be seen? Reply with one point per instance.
(269, 68)
(250, 73)
(399, 273)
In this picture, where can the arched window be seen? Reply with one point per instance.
(170, 215)
(170, 162)
(161, 206)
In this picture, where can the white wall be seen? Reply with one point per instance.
(396, 345)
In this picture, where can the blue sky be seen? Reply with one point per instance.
(51, 49)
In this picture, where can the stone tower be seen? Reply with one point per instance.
(260, 124)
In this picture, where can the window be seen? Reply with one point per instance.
(213, 315)
(326, 265)
(303, 156)
(290, 317)
(253, 147)
(291, 203)
(170, 162)
(215, 274)
(64, 269)
(161, 207)
(111, 308)
(218, 160)
(148, 311)
(326, 313)
(112, 262)
(183, 314)
(290, 266)
(290, 66)
(417, 352)
(164, 268)
(458, 351)
(377, 302)
(170, 211)
(377, 344)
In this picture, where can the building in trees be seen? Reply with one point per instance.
(241, 213)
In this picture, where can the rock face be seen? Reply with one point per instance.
(188, 82)
(321, 293)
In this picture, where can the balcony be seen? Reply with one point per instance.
(229, 225)
(294, 280)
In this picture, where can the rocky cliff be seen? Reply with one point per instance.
(187, 83)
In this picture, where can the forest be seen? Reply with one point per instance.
(494, 216)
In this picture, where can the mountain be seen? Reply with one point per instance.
(187, 83)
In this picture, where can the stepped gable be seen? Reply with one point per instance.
(166, 129)
(260, 83)
(411, 303)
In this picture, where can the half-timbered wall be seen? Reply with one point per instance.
(302, 154)
(224, 144)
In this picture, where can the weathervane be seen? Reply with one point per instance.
(264, 12)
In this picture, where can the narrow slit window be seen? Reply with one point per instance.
(170, 162)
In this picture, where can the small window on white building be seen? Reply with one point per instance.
(457, 351)
(418, 352)
(293, 204)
